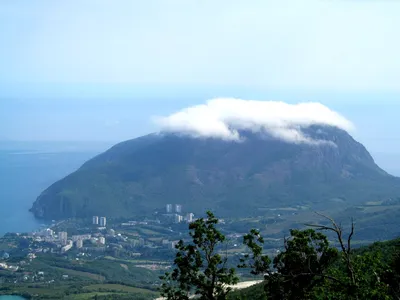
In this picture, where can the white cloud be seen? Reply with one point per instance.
(225, 117)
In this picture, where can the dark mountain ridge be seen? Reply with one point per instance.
(232, 178)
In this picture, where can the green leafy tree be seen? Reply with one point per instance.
(355, 276)
(368, 269)
(257, 262)
(200, 269)
(303, 265)
(309, 268)
(296, 270)
(391, 276)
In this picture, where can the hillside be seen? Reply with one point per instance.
(244, 178)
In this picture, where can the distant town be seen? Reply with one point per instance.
(80, 255)
(96, 238)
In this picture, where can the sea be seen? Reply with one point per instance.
(28, 168)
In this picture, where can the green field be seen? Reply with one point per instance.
(88, 296)
(82, 274)
(87, 292)
(117, 288)
(85, 277)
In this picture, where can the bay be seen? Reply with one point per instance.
(26, 169)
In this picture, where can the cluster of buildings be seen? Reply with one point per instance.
(13, 268)
(177, 208)
(27, 276)
(175, 211)
(66, 243)
(91, 240)
(188, 218)
(134, 223)
(67, 247)
(94, 239)
(5, 266)
(101, 221)
(78, 240)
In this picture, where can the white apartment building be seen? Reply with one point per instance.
(103, 221)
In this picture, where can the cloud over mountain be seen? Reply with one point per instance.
(225, 117)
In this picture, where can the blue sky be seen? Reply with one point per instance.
(341, 44)
(98, 70)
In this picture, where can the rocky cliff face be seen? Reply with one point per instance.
(231, 178)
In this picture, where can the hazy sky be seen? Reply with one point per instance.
(99, 70)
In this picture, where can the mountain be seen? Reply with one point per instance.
(232, 178)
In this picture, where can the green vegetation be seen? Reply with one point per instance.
(44, 278)
(200, 269)
(100, 270)
(114, 287)
(309, 267)
(318, 263)
(256, 292)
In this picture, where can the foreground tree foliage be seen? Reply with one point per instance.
(392, 275)
(199, 268)
(310, 268)
(297, 270)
